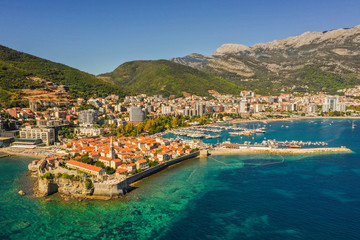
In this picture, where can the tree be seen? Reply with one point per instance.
(100, 164)
(109, 170)
(86, 159)
(88, 184)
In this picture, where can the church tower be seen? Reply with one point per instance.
(111, 149)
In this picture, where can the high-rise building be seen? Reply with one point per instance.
(244, 106)
(166, 109)
(137, 114)
(33, 105)
(258, 108)
(329, 104)
(293, 107)
(312, 108)
(200, 109)
(332, 103)
(88, 117)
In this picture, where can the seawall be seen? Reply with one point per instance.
(107, 191)
(159, 167)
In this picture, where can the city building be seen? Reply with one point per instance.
(88, 117)
(98, 171)
(46, 135)
(200, 109)
(312, 108)
(137, 114)
(332, 103)
(33, 105)
(244, 106)
(88, 131)
(166, 110)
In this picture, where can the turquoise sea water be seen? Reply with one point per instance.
(222, 197)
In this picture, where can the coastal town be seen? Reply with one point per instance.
(50, 123)
(109, 143)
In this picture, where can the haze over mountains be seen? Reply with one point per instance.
(313, 61)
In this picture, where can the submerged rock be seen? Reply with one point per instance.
(22, 193)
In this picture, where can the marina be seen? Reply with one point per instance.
(204, 131)
(260, 138)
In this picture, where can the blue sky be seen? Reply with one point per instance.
(97, 36)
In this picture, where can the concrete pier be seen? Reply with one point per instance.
(285, 151)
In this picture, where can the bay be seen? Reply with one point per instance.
(221, 197)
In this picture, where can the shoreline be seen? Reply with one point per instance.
(283, 119)
(26, 152)
(235, 121)
(284, 151)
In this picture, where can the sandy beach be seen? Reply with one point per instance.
(29, 152)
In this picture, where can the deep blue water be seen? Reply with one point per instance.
(222, 197)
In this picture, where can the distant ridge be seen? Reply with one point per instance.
(311, 62)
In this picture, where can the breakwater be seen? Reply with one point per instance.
(150, 171)
(269, 150)
(107, 190)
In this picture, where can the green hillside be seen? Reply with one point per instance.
(16, 68)
(167, 78)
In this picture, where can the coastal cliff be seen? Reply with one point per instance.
(46, 187)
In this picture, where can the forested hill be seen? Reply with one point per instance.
(168, 78)
(18, 69)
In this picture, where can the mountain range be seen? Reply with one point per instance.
(312, 62)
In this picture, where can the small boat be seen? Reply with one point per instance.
(247, 134)
(294, 146)
(234, 133)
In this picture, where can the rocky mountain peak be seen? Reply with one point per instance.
(230, 48)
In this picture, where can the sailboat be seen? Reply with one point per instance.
(353, 125)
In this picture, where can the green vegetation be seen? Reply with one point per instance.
(86, 159)
(72, 177)
(48, 176)
(89, 184)
(319, 80)
(17, 68)
(68, 131)
(336, 114)
(100, 164)
(152, 163)
(157, 125)
(152, 126)
(168, 78)
(109, 170)
(354, 108)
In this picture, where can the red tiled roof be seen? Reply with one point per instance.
(142, 161)
(121, 170)
(105, 158)
(84, 165)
